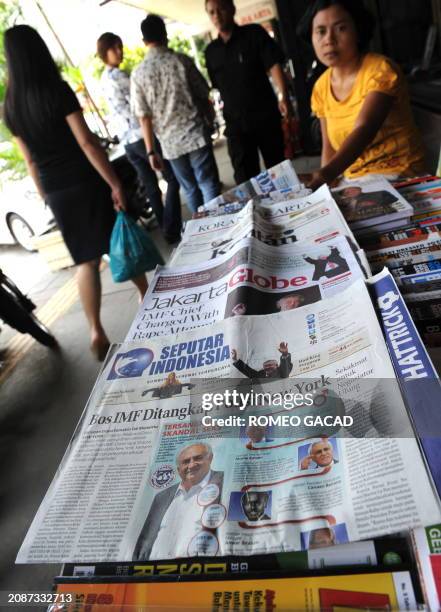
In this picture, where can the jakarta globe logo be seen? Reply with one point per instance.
(131, 364)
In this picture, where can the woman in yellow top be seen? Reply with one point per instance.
(361, 100)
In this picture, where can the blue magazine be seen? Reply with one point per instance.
(414, 369)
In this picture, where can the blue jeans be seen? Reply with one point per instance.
(168, 216)
(198, 176)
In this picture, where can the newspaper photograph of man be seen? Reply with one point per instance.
(251, 301)
(175, 515)
(358, 204)
(171, 386)
(322, 537)
(329, 266)
(220, 247)
(250, 506)
(254, 504)
(321, 453)
(271, 368)
(256, 436)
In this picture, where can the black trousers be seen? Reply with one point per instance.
(244, 146)
(169, 216)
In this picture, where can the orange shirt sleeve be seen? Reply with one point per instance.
(383, 77)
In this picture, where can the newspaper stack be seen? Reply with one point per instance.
(267, 304)
(265, 490)
(277, 183)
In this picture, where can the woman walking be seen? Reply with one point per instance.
(68, 165)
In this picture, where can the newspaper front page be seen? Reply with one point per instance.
(278, 178)
(152, 473)
(205, 239)
(252, 278)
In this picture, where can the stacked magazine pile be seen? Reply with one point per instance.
(424, 194)
(260, 440)
(412, 252)
(372, 206)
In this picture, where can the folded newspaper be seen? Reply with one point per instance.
(251, 278)
(278, 178)
(205, 239)
(152, 472)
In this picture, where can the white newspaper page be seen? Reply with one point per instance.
(156, 471)
(252, 278)
(206, 239)
(280, 211)
(278, 178)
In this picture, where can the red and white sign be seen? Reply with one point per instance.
(256, 13)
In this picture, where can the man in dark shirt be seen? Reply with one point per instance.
(270, 369)
(238, 63)
(329, 266)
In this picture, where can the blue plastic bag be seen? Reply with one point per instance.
(131, 250)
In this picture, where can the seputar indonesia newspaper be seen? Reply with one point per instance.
(252, 278)
(152, 471)
(205, 239)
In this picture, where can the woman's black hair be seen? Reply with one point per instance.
(363, 19)
(33, 86)
(106, 41)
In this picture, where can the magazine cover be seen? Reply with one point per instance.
(427, 546)
(414, 369)
(388, 551)
(425, 196)
(385, 591)
(427, 248)
(371, 202)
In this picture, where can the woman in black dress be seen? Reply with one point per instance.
(69, 167)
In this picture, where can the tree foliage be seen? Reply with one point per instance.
(182, 44)
(11, 160)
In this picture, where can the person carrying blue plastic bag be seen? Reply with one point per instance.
(69, 167)
(131, 250)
